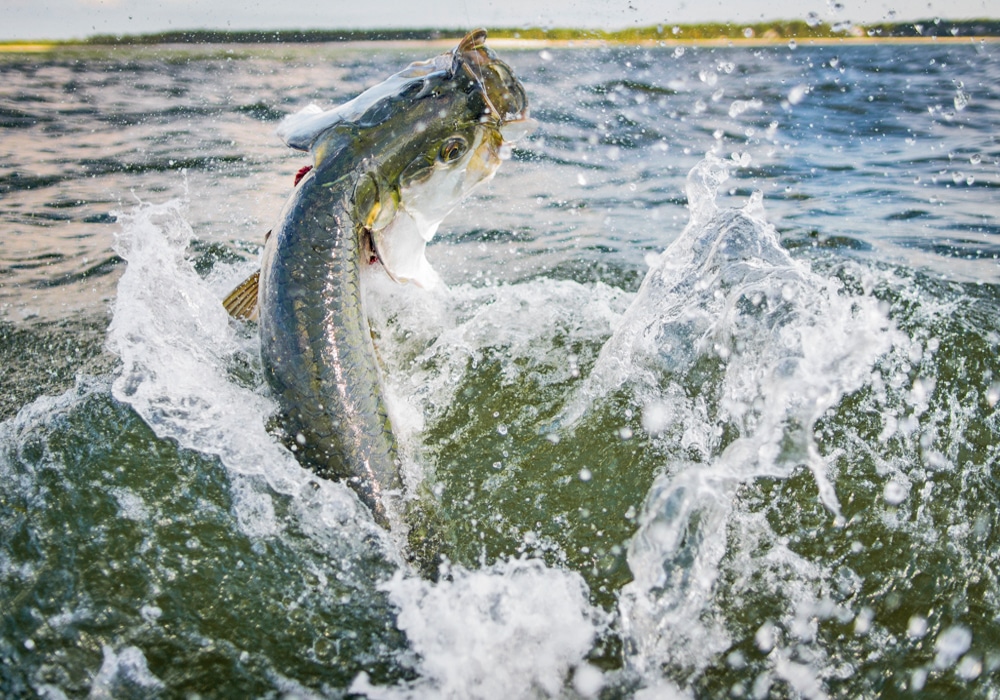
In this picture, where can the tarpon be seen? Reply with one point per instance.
(387, 167)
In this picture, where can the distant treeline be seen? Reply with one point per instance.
(797, 29)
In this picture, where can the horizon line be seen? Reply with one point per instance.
(673, 33)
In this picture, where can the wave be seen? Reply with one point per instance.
(651, 493)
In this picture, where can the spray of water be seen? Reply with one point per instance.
(733, 350)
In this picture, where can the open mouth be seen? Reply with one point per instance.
(400, 245)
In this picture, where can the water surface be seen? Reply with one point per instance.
(709, 404)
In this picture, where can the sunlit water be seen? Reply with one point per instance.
(709, 404)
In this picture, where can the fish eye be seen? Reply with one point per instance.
(452, 149)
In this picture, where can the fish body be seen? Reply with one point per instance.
(387, 167)
(316, 347)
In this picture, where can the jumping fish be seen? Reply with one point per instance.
(387, 167)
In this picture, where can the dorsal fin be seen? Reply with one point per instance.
(242, 301)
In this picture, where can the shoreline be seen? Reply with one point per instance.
(36, 47)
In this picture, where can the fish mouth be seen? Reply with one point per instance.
(502, 93)
(400, 246)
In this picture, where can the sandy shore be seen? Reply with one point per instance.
(39, 47)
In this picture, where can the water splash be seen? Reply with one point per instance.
(124, 673)
(732, 351)
(178, 349)
(176, 344)
(517, 626)
(735, 350)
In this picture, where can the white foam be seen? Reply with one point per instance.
(126, 667)
(511, 630)
(130, 504)
(175, 340)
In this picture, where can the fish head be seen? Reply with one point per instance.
(483, 109)
(424, 138)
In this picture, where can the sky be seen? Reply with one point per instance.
(77, 19)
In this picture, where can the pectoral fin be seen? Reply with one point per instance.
(242, 301)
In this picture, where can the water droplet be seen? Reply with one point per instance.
(797, 94)
(969, 668)
(588, 680)
(916, 627)
(742, 159)
(748, 33)
(545, 55)
(793, 44)
(502, 429)
(961, 100)
(976, 159)
(323, 648)
(993, 394)
(863, 622)
(766, 637)
(656, 417)
(950, 645)
(894, 493)
(585, 474)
